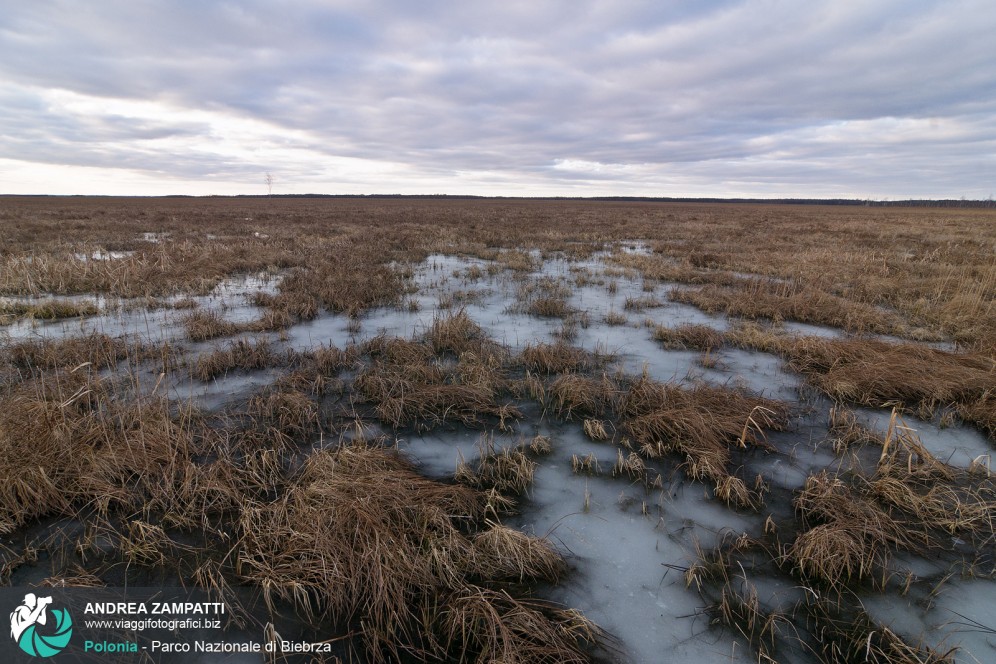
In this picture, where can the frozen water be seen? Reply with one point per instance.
(619, 553)
(623, 542)
(957, 445)
(102, 255)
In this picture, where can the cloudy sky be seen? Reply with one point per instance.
(806, 98)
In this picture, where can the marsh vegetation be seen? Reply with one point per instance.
(512, 430)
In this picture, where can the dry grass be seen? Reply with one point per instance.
(314, 370)
(740, 609)
(573, 395)
(284, 418)
(411, 386)
(641, 303)
(831, 626)
(509, 471)
(615, 318)
(559, 357)
(846, 636)
(45, 310)
(245, 354)
(457, 334)
(545, 297)
(931, 494)
(849, 536)
(846, 432)
(758, 299)
(361, 538)
(883, 374)
(921, 271)
(367, 542)
(100, 351)
(702, 424)
(71, 439)
(550, 307)
(206, 325)
(585, 465)
(688, 336)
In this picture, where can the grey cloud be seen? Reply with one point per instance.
(715, 91)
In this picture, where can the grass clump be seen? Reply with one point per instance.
(772, 300)
(361, 538)
(206, 325)
(702, 423)
(45, 310)
(411, 386)
(847, 536)
(557, 357)
(883, 374)
(69, 439)
(688, 336)
(573, 395)
(100, 351)
(243, 354)
(509, 471)
(641, 303)
(457, 334)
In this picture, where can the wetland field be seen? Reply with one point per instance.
(511, 430)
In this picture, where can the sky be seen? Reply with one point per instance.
(756, 98)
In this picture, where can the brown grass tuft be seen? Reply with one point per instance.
(555, 358)
(362, 538)
(688, 336)
(244, 354)
(205, 325)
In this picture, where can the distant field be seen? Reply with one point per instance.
(507, 430)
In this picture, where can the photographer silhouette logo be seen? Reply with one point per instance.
(24, 623)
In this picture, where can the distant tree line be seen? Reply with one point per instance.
(939, 203)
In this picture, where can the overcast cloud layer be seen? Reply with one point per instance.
(758, 98)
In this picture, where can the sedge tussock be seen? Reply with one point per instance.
(550, 307)
(99, 350)
(701, 424)
(615, 318)
(880, 373)
(509, 471)
(764, 299)
(631, 465)
(739, 608)
(69, 438)
(409, 386)
(206, 325)
(911, 481)
(555, 358)
(244, 354)
(846, 432)
(735, 493)
(641, 303)
(509, 555)
(575, 395)
(540, 445)
(688, 336)
(362, 537)
(457, 334)
(481, 625)
(853, 636)
(849, 537)
(585, 465)
(595, 429)
(281, 419)
(45, 310)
